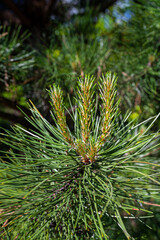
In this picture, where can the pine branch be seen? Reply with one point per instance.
(59, 185)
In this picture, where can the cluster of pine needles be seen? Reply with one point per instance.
(61, 184)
